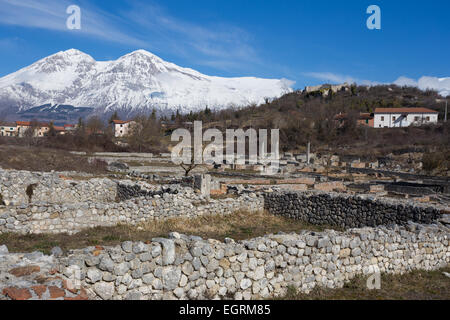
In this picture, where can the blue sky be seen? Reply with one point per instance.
(309, 42)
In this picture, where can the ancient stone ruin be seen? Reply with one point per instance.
(392, 236)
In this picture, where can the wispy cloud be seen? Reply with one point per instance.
(51, 15)
(220, 45)
(143, 25)
(9, 43)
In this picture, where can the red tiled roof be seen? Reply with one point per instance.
(362, 116)
(69, 126)
(28, 124)
(365, 116)
(23, 123)
(59, 128)
(120, 121)
(404, 110)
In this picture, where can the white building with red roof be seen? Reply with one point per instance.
(403, 117)
(122, 128)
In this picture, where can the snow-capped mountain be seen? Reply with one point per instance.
(136, 81)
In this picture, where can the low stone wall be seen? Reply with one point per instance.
(134, 190)
(19, 187)
(185, 267)
(71, 218)
(347, 211)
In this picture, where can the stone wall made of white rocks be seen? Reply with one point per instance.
(187, 267)
(348, 211)
(50, 188)
(71, 218)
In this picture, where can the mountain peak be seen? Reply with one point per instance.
(72, 54)
(141, 54)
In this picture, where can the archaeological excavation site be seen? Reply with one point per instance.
(145, 230)
(224, 159)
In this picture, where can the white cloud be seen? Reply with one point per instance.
(287, 82)
(442, 85)
(404, 81)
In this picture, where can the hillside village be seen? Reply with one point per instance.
(33, 128)
(381, 117)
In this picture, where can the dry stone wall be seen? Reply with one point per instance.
(23, 187)
(72, 218)
(188, 267)
(52, 203)
(347, 211)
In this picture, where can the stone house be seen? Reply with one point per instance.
(19, 128)
(69, 127)
(40, 129)
(8, 129)
(364, 119)
(60, 130)
(122, 128)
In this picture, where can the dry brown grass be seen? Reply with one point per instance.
(415, 285)
(239, 226)
(42, 159)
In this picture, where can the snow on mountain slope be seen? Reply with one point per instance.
(135, 81)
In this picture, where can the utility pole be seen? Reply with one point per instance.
(445, 117)
(308, 151)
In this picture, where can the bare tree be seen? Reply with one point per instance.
(31, 132)
(144, 132)
(188, 167)
(95, 125)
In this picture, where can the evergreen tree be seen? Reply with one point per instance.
(153, 115)
(114, 116)
(51, 131)
(80, 123)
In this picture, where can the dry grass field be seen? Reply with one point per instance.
(415, 285)
(238, 226)
(46, 160)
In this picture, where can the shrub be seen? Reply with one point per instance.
(433, 161)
